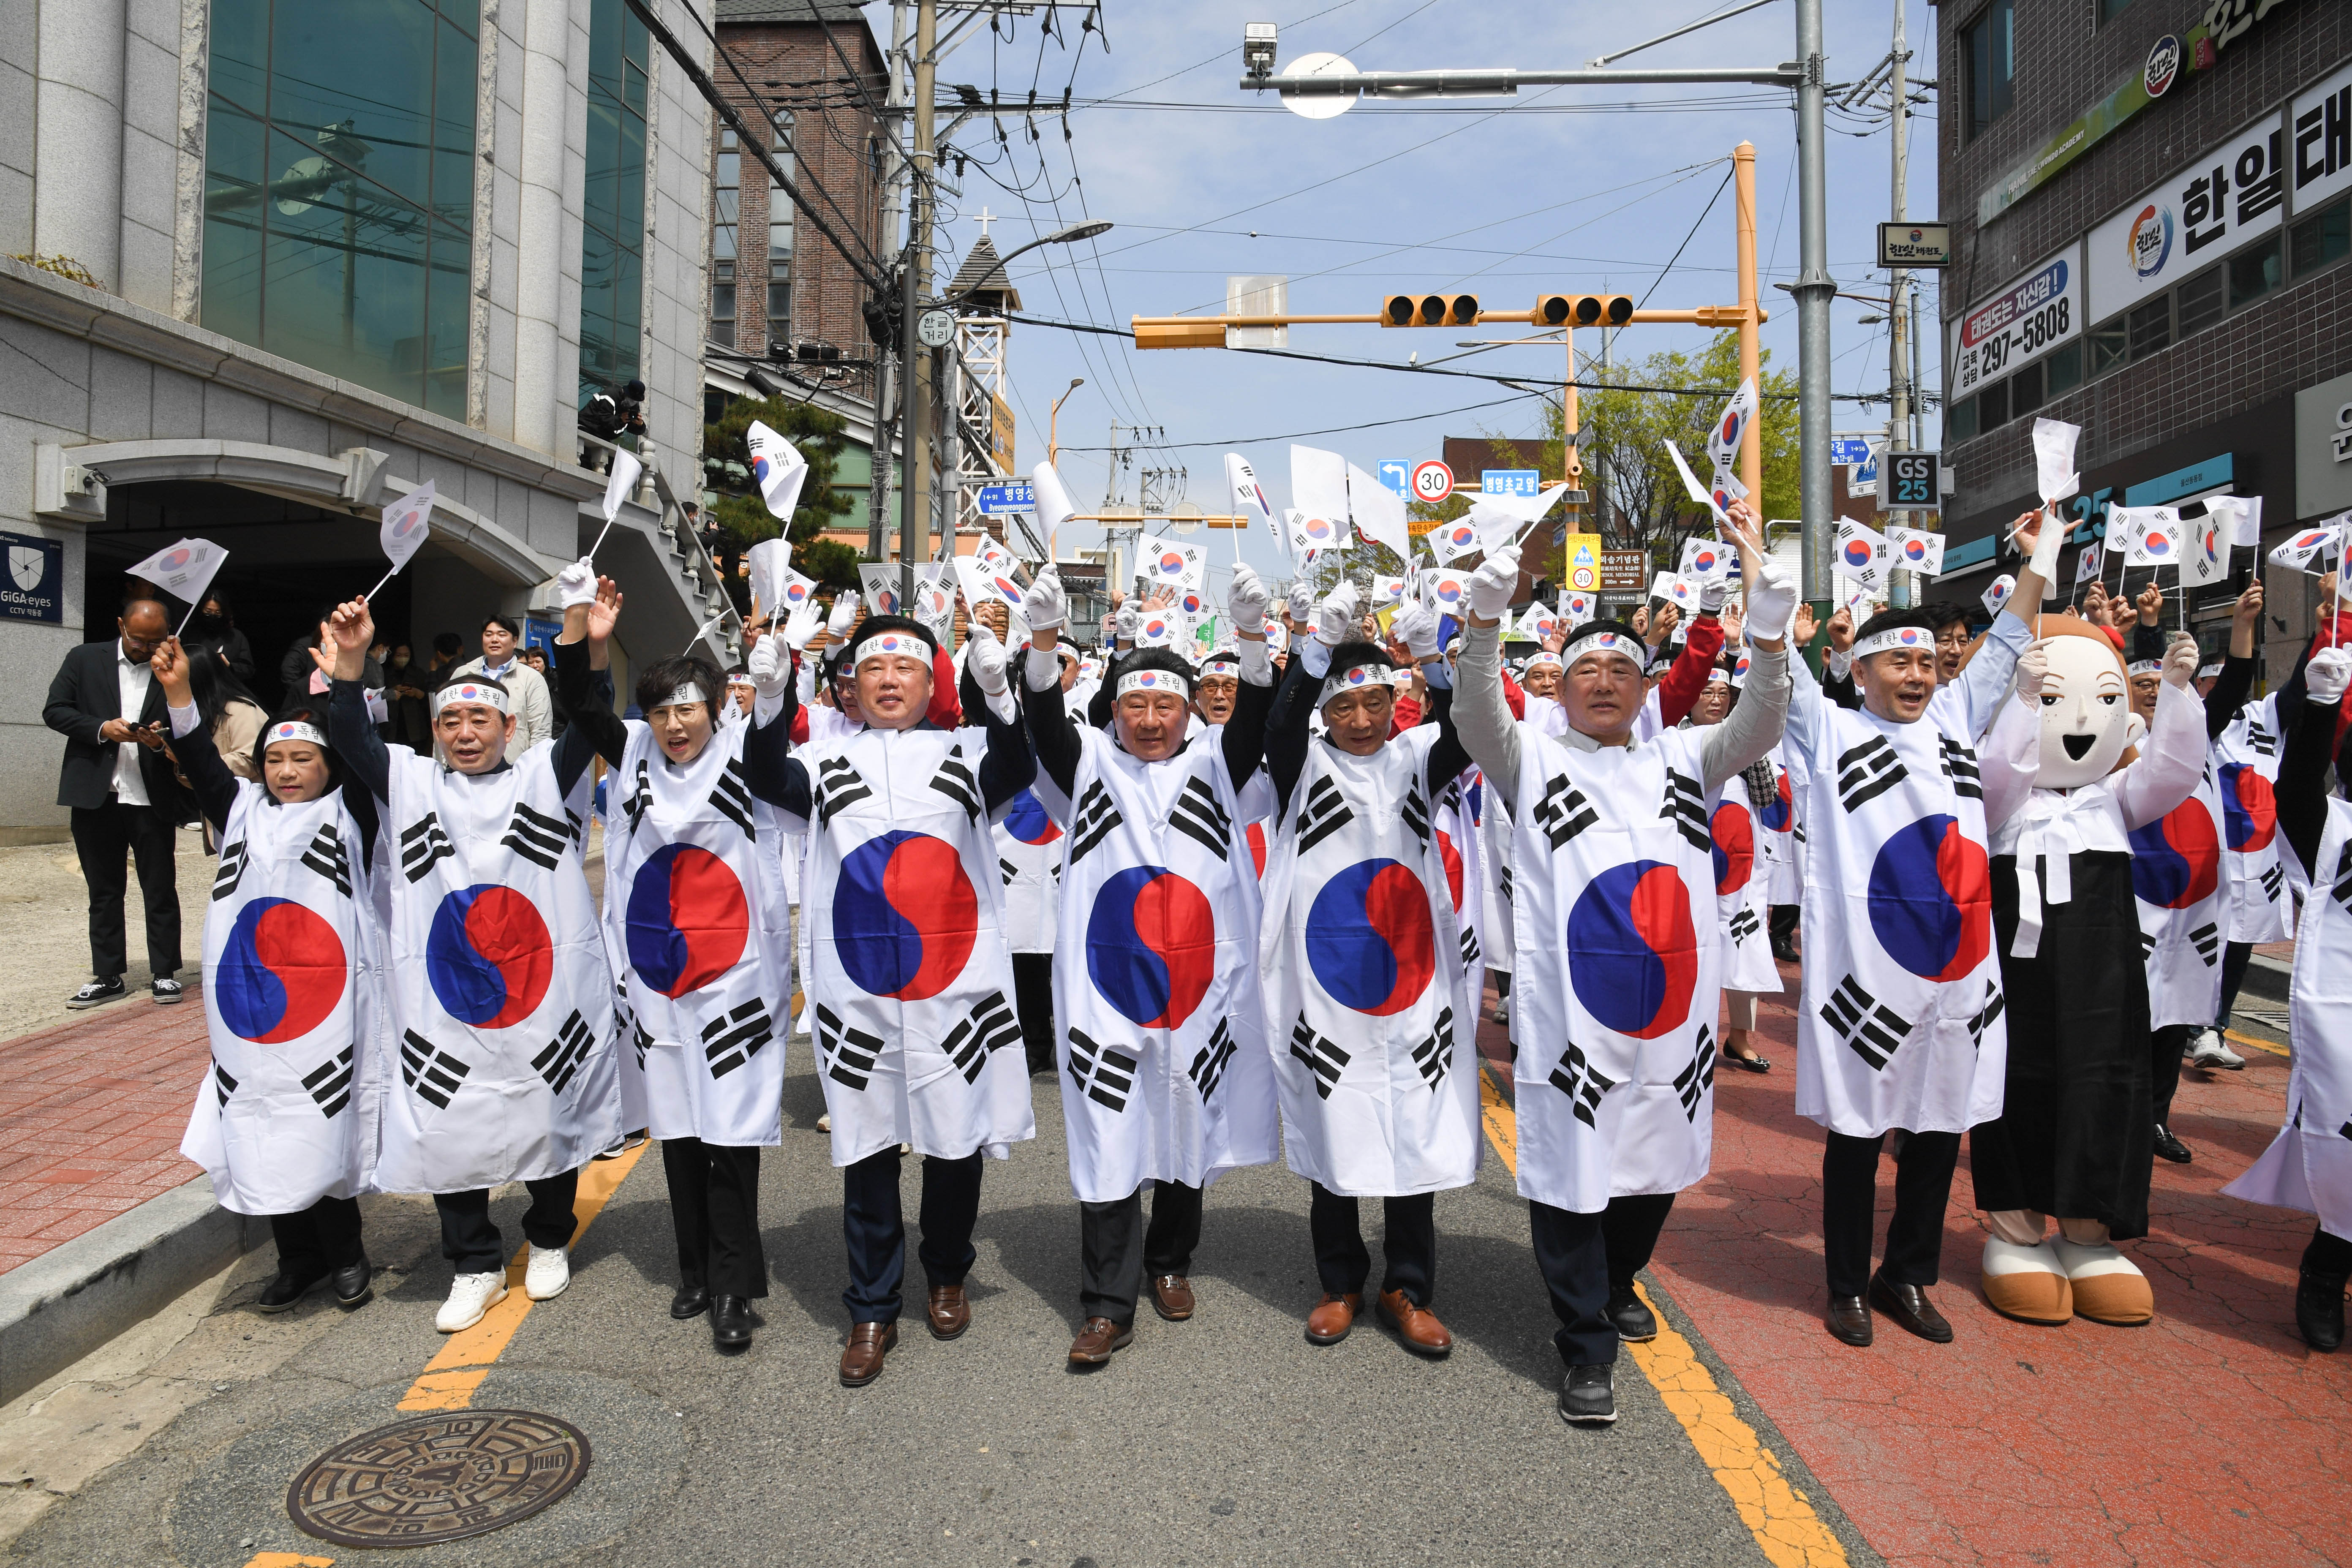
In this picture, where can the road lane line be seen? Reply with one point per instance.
(289, 1560)
(2250, 1040)
(465, 1357)
(1787, 1530)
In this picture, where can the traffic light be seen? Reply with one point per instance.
(1429, 310)
(1582, 310)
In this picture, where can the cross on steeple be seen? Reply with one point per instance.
(984, 219)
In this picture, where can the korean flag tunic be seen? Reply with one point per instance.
(1901, 1023)
(2246, 769)
(1165, 1072)
(1780, 839)
(2308, 1165)
(1615, 1005)
(1360, 966)
(2182, 891)
(700, 930)
(1742, 876)
(501, 992)
(295, 1003)
(1461, 846)
(909, 981)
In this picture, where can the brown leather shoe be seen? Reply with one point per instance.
(861, 1358)
(1172, 1297)
(1850, 1319)
(1417, 1326)
(1909, 1307)
(1333, 1316)
(947, 1313)
(1098, 1339)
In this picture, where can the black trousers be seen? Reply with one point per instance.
(1409, 1250)
(1112, 1265)
(2164, 1050)
(2235, 957)
(1572, 1253)
(472, 1243)
(1782, 926)
(1914, 1235)
(1629, 1232)
(319, 1240)
(1033, 1000)
(875, 1232)
(714, 1203)
(102, 836)
(2329, 1255)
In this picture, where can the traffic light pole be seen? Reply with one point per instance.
(917, 364)
(1815, 290)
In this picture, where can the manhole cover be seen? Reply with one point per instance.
(438, 1478)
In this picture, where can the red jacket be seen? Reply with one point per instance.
(1678, 693)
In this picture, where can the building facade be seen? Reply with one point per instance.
(2151, 203)
(276, 261)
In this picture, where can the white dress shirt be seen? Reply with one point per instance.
(131, 678)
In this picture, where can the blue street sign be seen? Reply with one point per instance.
(1847, 450)
(997, 500)
(1509, 481)
(1393, 472)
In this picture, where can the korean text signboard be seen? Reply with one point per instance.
(2235, 193)
(2038, 312)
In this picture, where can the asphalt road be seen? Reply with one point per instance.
(1227, 1439)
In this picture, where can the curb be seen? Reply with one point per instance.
(68, 1302)
(2267, 977)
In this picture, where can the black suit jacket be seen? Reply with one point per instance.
(83, 697)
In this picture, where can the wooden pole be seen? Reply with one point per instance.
(1752, 444)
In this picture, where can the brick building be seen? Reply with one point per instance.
(2151, 203)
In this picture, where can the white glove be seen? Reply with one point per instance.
(1711, 596)
(800, 626)
(2327, 674)
(1417, 629)
(1246, 600)
(1043, 604)
(844, 617)
(576, 584)
(2033, 670)
(1127, 623)
(769, 665)
(1302, 603)
(984, 659)
(2180, 661)
(1335, 617)
(1492, 587)
(1771, 603)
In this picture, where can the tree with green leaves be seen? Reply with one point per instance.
(743, 518)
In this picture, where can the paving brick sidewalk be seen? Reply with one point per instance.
(91, 1118)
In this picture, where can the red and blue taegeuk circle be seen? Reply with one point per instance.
(1781, 809)
(2311, 539)
(1156, 627)
(1704, 559)
(1257, 836)
(177, 558)
(1452, 858)
(1370, 940)
(282, 973)
(1151, 946)
(1025, 819)
(1315, 527)
(1172, 563)
(2177, 858)
(1449, 590)
(2249, 808)
(1633, 952)
(2156, 543)
(489, 957)
(1914, 550)
(1856, 553)
(905, 917)
(688, 920)
(1462, 536)
(1733, 830)
(1931, 899)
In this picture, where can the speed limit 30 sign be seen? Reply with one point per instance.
(1432, 480)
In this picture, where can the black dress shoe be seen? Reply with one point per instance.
(1850, 1319)
(1909, 1307)
(1587, 1396)
(731, 1322)
(691, 1301)
(2319, 1309)
(1784, 949)
(285, 1290)
(2168, 1147)
(352, 1285)
(1636, 1322)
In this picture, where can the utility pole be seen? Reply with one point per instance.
(886, 366)
(918, 381)
(1815, 290)
(1898, 387)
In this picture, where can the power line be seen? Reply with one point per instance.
(1333, 430)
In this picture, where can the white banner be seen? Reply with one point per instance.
(2036, 314)
(1378, 512)
(2234, 194)
(1318, 485)
(767, 562)
(627, 469)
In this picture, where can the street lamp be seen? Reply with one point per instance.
(1054, 420)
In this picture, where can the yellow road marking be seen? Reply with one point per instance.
(465, 1357)
(2250, 1040)
(289, 1560)
(1787, 1530)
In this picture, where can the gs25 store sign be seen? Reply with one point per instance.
(2038, 312)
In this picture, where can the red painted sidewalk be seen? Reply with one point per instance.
(2213, 1436)
(91, 1118)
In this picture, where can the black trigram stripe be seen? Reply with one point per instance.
(1868, 770)
(1008, 870)
(735, 1038)
(1208, 1068)
(963, 1048)
(561, 1061)
(838, 786)
(1096, 816)
(330, 1083)
(995, 1020)
(2342, 891)
(1326, 812)
(1960, 766)
(731, 798)
(1743, 924)
(849, 1054)
(2263, 742)
(639, 1041)
(422, 843)
(1798, 832)
(2274, 881)
(1503, 883)
(1199, 817)
(641, 795)
(956, 780)
(1434, 1055)
(1104, 1073)
(1470, 953)
(537, 837)
(1563, 812)
(223, 1085)
(1686, 807)
(2206, 940)
(1416, 814)
(1584, 1084)
(1871, 1031)
(1995, 1002)
(326, 857)
(2146, 947)
(1323, 1056)
(231, 871)
(432, 1072)
(1697, 1074)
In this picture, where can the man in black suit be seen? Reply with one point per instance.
(124, 794)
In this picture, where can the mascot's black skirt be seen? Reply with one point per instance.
(2076, 1135)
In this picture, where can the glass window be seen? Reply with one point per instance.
(2254, 271)
(1961, 421)
(1992, 406)
(722, 304)
(1990, 49)
(2111, 9)
(779, 236)
(2149, 327)
(2025, 392)
(338, 188)
(2322, 238)
(2063, 371)
(612, 234)
(2110, 345)
(2199, 301)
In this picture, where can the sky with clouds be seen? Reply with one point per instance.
(1570, 188)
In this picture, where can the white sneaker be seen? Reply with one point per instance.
(549, 1274)
(1503, 1011)
(825, 1123)
(470, 1295)
(2206, 1051)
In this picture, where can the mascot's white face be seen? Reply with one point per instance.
(2085, 711)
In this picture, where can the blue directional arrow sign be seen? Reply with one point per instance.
(1394, 473)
